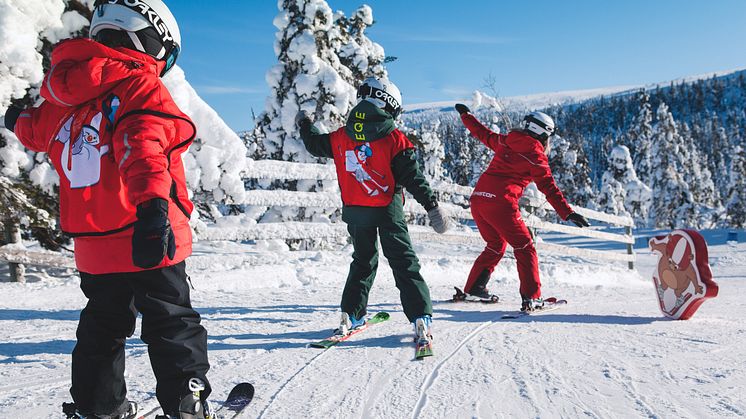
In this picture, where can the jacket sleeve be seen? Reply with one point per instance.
(30, 128)
(141, 143)
(318, 144)
(407, 173)
(541, 174)
(483, 134)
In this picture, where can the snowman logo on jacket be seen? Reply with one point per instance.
(81, 157)
(356, 163)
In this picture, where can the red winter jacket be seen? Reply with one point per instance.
(115, 137)
(519, 159)
(364, 168)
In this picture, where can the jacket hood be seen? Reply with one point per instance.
(521, 142)
(83, 69)
(368, 122)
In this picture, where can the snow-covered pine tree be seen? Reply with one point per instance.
(571, 171)
(622, 192)
(322, 58)
(640, 137)
(357, 52)
(707, 209)
(736, 199)
(672, 200)
(430, 148)
(719, 150)
(28, 29)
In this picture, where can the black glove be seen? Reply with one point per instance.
(11, 116)
(302, 119)
(153, 238)
(462, 109)
(578, 219)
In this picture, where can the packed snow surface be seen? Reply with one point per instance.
(608, 353)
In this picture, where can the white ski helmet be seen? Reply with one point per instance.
(149, 25)
(538, 125)
(382, 93)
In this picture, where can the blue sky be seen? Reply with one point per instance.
(446, 49)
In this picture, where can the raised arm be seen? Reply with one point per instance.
(485, 135)
(318, 144)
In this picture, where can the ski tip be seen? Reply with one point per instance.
(239, 397)
(382, 315)
(458, 296)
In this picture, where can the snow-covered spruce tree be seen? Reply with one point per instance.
(719, 150)
(308, 76)
(430, 148)
(707, 209)
(622, 193)
(357, 52)
(736, 199)
(673, 204)
(639, 139)
(571, 171)
(28, 29)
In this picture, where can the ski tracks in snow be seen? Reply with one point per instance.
(433, 376)
(290, 380)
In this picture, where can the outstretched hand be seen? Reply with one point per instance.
(578, 220)
(462, 109)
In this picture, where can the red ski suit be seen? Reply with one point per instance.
(519, 159)
(115, 137)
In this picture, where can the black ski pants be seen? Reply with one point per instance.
(177, 343)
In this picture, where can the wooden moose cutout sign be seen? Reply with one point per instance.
(682, 278)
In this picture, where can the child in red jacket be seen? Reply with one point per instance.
(520, 158)
(115, 137)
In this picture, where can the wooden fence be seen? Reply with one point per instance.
(280, 170)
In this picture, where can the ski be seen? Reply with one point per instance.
(237, 401)
(335, 339)
(423, 348)
(550, 304)
(461, 296)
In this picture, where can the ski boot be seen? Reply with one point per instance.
(481, 294)
(349, 323)
(423, 328)
(532, 304)
(128, 410)
(191, 405)
(423, 337)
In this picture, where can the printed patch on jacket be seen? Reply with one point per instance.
(81, 157)
(356, 164)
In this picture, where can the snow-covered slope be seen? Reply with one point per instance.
(609, 353)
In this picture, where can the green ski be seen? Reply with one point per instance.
(335, 339)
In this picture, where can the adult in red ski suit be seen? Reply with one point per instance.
(519, 159)
(115, 137)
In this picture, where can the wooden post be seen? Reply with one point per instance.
(13, 235)
(628, 231)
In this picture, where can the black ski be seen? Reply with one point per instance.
(238, 399)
